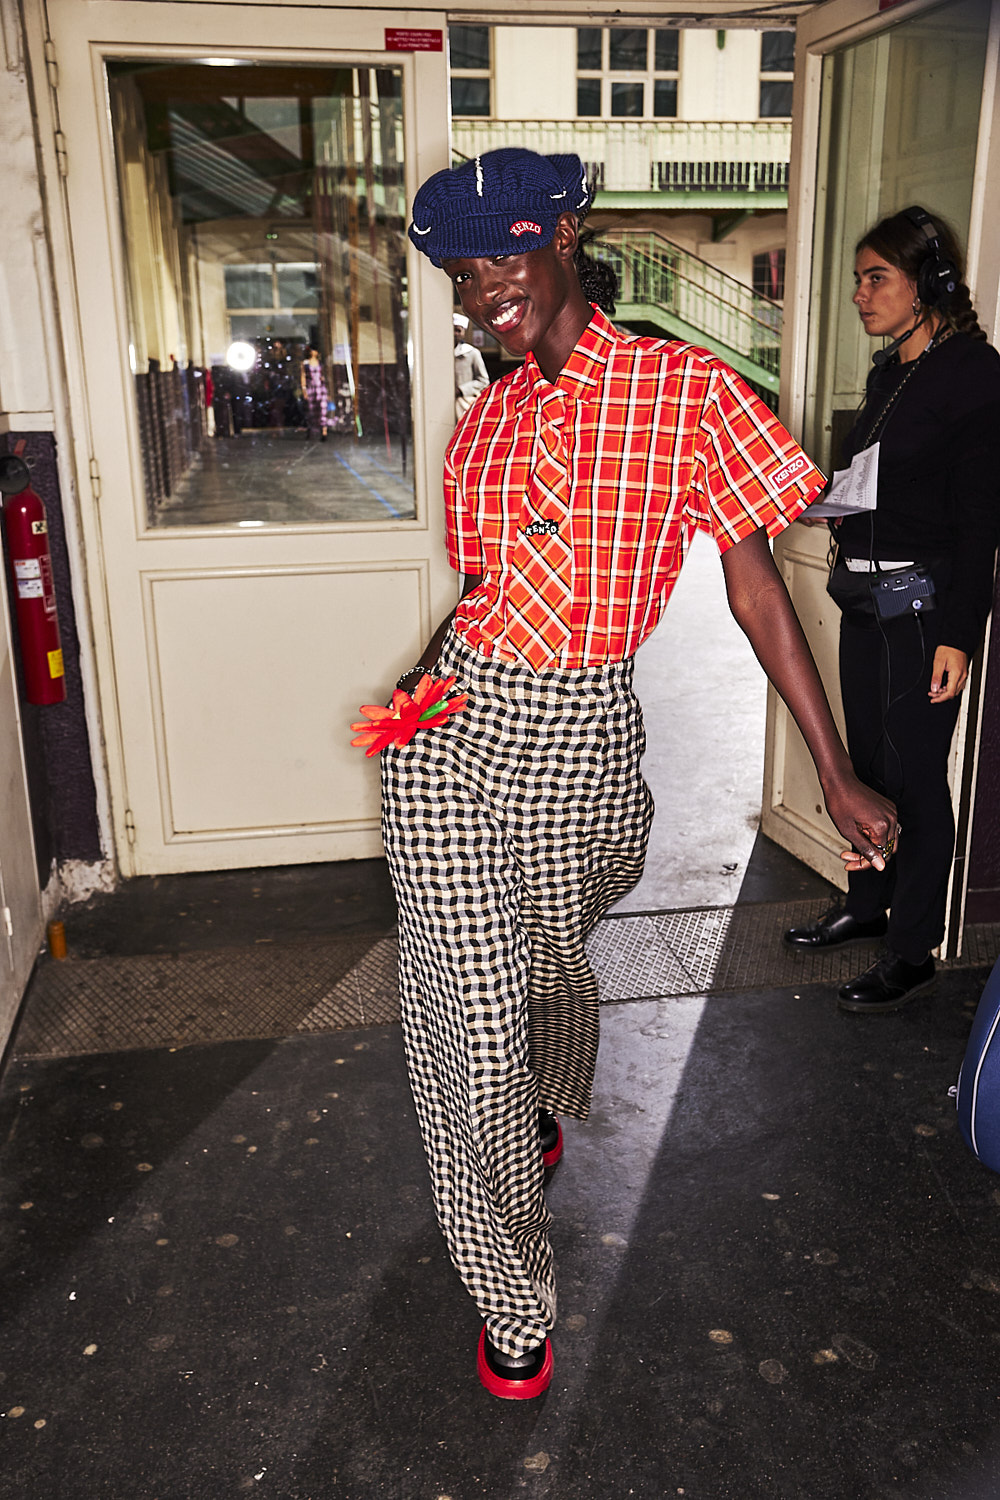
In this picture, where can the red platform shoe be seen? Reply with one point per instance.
(514, 1378)
(551, 1136)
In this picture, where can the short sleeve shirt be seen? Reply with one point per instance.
(660, 438)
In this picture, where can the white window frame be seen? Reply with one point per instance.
(647, 76)
(486, 73)
(768, 75)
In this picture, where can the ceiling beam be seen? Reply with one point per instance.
(708, 14)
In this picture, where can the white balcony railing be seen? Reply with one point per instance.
(650, 156)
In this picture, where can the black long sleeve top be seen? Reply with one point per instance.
(938, 477)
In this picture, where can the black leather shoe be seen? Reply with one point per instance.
(835, 927)
(514, 1379)
(888, 985)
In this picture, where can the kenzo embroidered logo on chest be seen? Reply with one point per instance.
(542, 528)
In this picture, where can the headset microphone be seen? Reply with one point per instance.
(882, 356)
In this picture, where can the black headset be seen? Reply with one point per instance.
(938, 276)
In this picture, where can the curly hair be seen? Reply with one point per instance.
(904, 245)
(598, 281)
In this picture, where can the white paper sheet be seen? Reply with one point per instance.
(851, 490)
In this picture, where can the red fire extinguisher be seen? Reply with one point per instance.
(34, 594)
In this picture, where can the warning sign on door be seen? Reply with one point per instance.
(413, 39)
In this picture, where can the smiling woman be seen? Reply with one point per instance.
(529, 303)
(572, 487)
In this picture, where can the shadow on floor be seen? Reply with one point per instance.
(779, 1272)
(229, 908)
(811, 1284)
(772, 875)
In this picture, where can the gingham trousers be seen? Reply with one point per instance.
(509, 830)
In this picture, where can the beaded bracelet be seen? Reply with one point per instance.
(418, 668)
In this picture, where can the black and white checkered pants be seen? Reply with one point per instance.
(509, 830)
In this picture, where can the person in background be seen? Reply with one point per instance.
(470, 372)
(572, 488)
(314, 392)
(932, 405)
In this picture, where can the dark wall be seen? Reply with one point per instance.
(983, 904)
(56, 742)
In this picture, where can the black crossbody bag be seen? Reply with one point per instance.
(883, 596)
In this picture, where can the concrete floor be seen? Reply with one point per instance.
(703, 698)
(282, 476)
(779, 1272)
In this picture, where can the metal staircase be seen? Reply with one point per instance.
(666, 289)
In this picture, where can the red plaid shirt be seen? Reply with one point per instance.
(659, 438)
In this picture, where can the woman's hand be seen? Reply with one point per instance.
(864, 817)
(805, 519)
(949, 674)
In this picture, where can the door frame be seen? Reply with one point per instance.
(125, 26)
(837, 24)
(22, 922)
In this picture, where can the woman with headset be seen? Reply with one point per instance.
(914, 581)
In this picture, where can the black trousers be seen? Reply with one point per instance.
(899, 743)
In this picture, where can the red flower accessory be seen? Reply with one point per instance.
(430, 705)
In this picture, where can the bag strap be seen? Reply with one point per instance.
(938, 338)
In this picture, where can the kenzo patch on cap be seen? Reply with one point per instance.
(525, 226)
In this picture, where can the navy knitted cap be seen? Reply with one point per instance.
(502, 203)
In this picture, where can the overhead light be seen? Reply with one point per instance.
(221, 62)
(250, 523)
(241, 356)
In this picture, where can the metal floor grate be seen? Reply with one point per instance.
(160, 1000)
(118, 1004)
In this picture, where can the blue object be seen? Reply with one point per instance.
(503, 202)
(979, 1080)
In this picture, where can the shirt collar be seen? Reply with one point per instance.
(583, 373)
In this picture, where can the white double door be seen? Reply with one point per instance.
(261, 392)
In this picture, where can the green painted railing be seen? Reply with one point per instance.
(662, 284)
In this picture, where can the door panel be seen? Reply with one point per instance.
(248, 748)
(793, 813)
(20, 904)
(269, 530)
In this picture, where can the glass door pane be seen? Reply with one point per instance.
(900, 126)
(263, 215)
